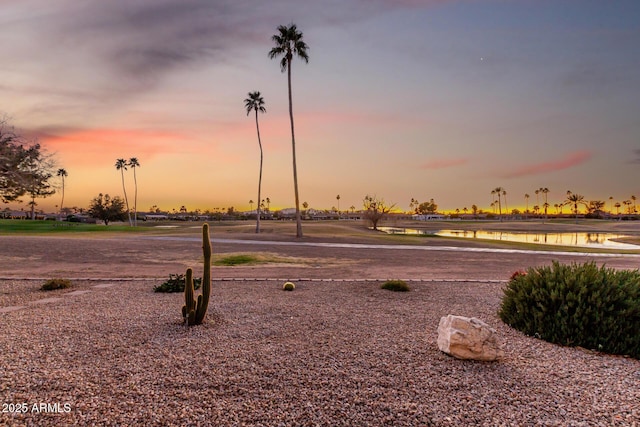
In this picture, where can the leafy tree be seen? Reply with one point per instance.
(134, 163)
(288, 42)
(121, 165)
(38, 170)
(107, 209)
(255, 102)
(39, 173)
(375, 210)
(24, 169)
(429, 207)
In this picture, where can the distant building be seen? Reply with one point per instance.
(428, 217)
(13, 214)
(154, 217)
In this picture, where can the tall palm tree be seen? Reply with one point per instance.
(526, 199)
(121, 165)
(62, 173)
(504, 196)
(545, 191)
(575, 200)
(611, 204)
(134, 163)
(288, 42)
(338, 199)
(255, 103)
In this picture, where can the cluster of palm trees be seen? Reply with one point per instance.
(502, 193)
(575, 200)
(122, 165)
(263, 205)
(288, 43)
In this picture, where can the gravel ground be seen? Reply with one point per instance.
(329, 353)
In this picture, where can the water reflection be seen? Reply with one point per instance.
(580, 239)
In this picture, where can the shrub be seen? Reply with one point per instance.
(52, 284)
(289, 286)
(395, 285)
(577, 305)
(176, 284)
(237, 260)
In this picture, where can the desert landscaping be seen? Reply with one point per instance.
(338, 350)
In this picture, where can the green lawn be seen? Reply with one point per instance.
(15, 226)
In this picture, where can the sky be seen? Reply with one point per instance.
(402, 99)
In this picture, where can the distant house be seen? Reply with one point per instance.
(14, 214)
(154, 217)
(428, 217)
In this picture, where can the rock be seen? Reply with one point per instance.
(468, 338)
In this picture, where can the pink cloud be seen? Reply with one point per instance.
(444, 163)
(568, 161)
(93, 146)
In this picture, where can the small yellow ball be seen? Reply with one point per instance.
(289, 286)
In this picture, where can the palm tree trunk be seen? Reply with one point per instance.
(260, 176)
(126, 200)
(293, 147)
(135, 199)
(62, 201)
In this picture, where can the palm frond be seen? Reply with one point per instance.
(254, 102)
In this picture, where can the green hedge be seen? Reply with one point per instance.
(577, 305)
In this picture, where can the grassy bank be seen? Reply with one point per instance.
(12, 226)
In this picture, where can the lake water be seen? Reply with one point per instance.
(578, 239)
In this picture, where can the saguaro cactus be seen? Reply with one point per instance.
(194, 311)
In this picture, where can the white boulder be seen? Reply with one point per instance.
(468, 338)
